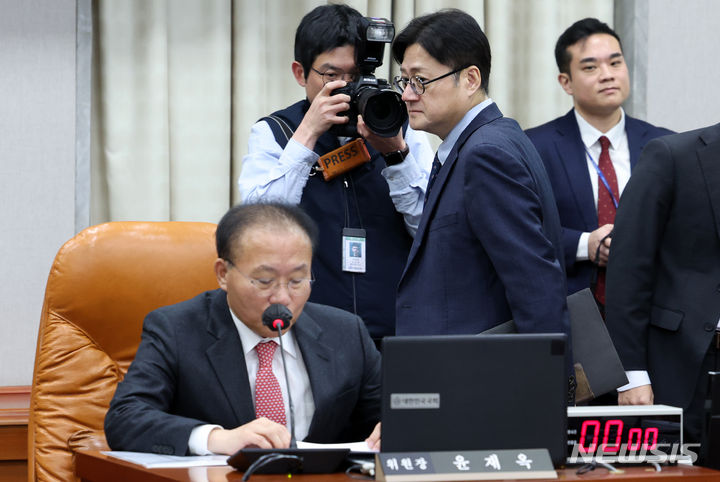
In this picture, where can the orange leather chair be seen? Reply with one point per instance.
(101, 285)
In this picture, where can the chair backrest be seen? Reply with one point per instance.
(101, 285)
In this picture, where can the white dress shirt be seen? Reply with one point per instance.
(271, 172)
(619, 155)
(299, 384)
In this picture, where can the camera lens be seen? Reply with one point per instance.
(383, 110)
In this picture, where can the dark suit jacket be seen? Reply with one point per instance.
(663, 278)
(190, 370)
(488, 243)
(563, 153)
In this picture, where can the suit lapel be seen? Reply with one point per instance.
(636, 134)
(709, 156)
(488, 114)
(318, 362)
(571, 152)
(228, 360)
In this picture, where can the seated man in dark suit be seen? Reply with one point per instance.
(207, 377)
(594, 73)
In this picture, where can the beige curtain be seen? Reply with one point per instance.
(162, 110)
(522, 35)
(178, 83)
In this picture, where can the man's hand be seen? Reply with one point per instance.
(373, 440)
(383, 145)
(642, 395)
(322, 114)
(593, 242)
(261, 432)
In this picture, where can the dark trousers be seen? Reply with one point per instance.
(694, 429)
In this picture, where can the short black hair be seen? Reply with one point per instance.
(450, 36)
(576, 32)
(324, 28)
(242, 217)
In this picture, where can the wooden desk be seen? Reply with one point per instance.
(93, 466)
(14, 411)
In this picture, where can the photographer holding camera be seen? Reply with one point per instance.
(367, 191)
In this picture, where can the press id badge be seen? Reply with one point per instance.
(354, 250)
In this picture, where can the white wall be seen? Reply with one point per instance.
(683, 69)
(37, 166)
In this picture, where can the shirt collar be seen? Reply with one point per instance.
(449, 142)
(249, 338)
(590, 134)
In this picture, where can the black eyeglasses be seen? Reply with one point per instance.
(330, 75)
(267, 286)
(417, 84)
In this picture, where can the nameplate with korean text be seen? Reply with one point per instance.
(464, 465)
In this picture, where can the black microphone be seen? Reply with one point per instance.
(277, 317)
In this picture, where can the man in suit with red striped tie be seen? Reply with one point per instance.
(589, 152)
(208, 376)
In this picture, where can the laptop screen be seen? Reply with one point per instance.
(475, 392)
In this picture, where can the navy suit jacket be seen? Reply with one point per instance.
(560, 146)
(663, 296)
(190, 370)
(487, 246)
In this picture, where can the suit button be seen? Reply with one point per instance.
(718, 287)
(709, 327)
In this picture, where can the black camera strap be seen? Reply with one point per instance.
(285, 132)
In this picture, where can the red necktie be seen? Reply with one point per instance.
(606, 206)
(268, 397)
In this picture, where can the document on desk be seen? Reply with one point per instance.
(159, 461)
(356, 447)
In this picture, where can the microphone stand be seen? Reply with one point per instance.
(279, 323)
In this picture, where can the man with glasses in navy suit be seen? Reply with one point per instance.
(487, 249)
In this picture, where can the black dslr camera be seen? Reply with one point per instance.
(380, 105)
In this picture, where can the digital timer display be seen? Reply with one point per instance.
(622, 436)
(610, 434)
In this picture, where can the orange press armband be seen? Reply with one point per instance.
(344, 159)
